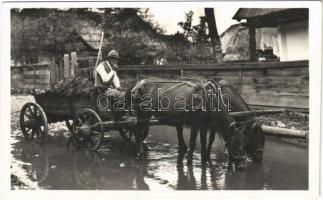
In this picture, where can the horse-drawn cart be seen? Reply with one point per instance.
(82, 117)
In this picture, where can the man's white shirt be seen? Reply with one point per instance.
(106, 77)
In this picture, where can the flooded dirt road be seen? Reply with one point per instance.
(57, 165)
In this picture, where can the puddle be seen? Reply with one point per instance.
(55, 165)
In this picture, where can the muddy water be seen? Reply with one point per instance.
(57, 165)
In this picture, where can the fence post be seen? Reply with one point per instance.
(53, 75)
(241, 81)
(66, 65)
(182, 72)
(74, 70)
(34, 76)
(92, 66)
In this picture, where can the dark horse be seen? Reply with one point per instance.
(254, 136)
(186, 102)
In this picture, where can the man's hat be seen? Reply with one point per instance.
(113, 54)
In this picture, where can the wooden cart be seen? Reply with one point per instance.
(82, 117)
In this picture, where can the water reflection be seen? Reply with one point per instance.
(60, 166)
(186, 180)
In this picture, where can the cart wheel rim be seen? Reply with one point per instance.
(33, 122)
(87, 127)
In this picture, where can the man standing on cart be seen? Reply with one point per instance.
(106, 76)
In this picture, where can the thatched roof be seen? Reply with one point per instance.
(235, 41)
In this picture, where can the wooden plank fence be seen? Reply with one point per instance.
(36, 76)
(267, 84)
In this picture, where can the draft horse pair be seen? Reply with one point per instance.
(198, 103)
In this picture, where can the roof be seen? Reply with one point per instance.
(245, 13)
(271, 17)
(91, 36)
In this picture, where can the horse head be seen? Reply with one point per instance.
(235, 144)
(255, 140)
(253, 134)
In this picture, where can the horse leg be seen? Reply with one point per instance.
(181, 141)
(209, 147)
(139, 144)
(203, 132)
(192, 143)
(143, 118)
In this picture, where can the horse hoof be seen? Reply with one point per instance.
(239, 166)
(182, 150)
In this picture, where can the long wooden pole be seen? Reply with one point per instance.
(254, 112)
(100, 49)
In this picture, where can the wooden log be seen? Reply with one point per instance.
(61, 69)
(66, 66)
(285, 132)
(73, 64)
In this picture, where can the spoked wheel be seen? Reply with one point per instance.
(33, 122)
(88, 129)
(128, 133)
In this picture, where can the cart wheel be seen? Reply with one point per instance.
(33, 122)
(88, 129)
(127, 133)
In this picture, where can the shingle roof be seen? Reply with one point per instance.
(245, 13)
(92, 36)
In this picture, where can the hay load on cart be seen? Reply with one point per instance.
(75, 102)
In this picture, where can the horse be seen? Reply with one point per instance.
(254, 136)
(146, 99)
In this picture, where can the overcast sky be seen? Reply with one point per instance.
(170, 16)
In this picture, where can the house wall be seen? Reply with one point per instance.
(293, 41)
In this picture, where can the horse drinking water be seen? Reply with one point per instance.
(185, 102)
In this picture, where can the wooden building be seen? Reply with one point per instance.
(292, 28)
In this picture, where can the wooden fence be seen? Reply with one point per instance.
(266, 84)
(36, 76)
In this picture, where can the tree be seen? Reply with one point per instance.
(132, 33)
(187, 25)
(213, 33)
(47, 32)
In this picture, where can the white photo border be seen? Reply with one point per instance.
(315, 85)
